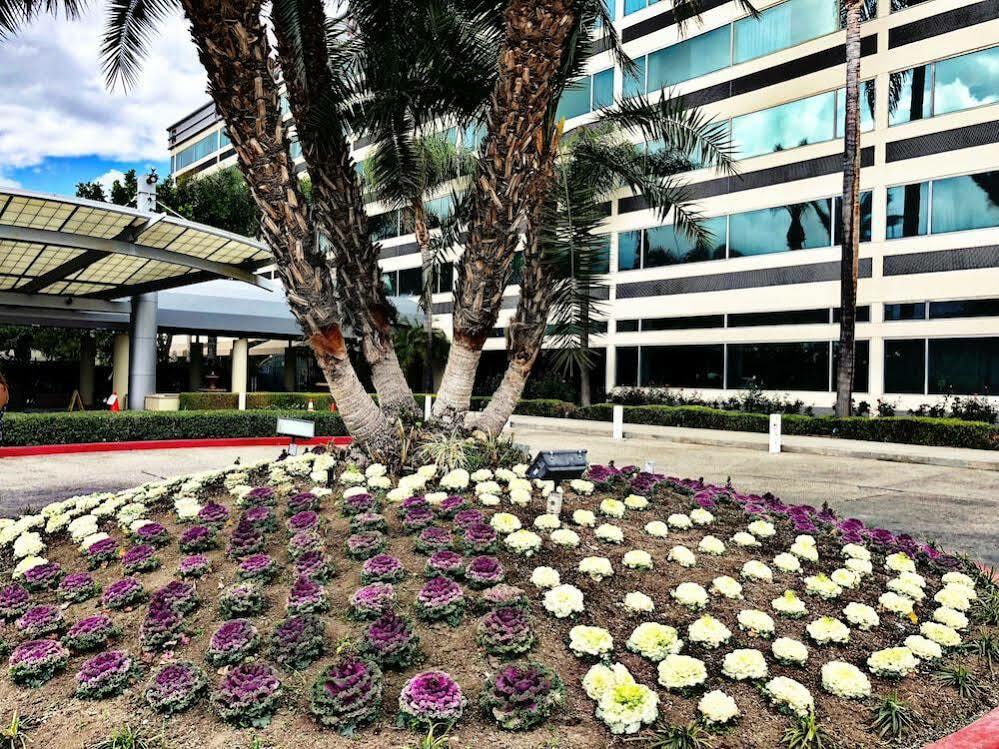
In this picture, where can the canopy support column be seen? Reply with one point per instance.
(142, 353)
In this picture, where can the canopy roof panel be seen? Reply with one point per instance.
(61, 246)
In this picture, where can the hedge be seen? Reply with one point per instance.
(101, 426)
(201, 401)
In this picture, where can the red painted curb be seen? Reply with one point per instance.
(982, 734)
(97, 447)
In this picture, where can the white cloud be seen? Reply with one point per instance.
(107, 179)
(55, 102)
(7, 181)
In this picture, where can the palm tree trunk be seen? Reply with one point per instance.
(427, 269)
(338, 200)
(507, 184)
(851, 215)
(232, 45)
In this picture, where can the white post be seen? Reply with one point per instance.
(774, 434)
(428, 407)
(242, 401)
(618, 422)
(240, 364)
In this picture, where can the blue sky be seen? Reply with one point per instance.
(59, 122)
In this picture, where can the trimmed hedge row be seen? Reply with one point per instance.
(254, 401)
(101, 426)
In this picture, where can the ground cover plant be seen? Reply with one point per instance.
(650, 609)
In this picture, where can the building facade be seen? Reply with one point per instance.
(759, 307)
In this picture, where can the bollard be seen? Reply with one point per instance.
(619, 422)
(428, 407)
(242, 401)
(774, 434)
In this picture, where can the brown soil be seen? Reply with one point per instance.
(59, 720)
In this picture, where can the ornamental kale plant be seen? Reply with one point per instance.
(441, 599)
(36, 661)
(357, 504)
(77, 587)
(297, 641)
(391, 641)
(261, 495)
(411, 503)
(261, 518)
(301, 502)
(233, 642)
(198, 538)
(40, 621)
(467, 518)
(451, 506)
(105, 675)
(307, 520)
(101, 553)
(14, 601)
(365, 545)
(505, 632)
(522, 697)
(348, 694)
(245, 540)
(315, 566)
(368, 521)
(306, 597)
(372, 601)
(140, 559)
(248, 695)
(429, 698)
(161, 627)
(175, 687)
(153, 534)
(123, 594)
(503, 595)
(304, 542)
(483, 572)
(382, 568)
(448, 563)
(417, 519)
(480, 538)
(213, 514)
(43, 577)
(260, 568)
(178, 595)
(194, 566)
(91, 633)
(243, 599)
(433, 538)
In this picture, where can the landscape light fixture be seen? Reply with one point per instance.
(558, 465)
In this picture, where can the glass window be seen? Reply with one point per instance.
(914, 95)
(224, 139)
(603, 88)
(410, 282)
(384, 225)
(863, 313)
(968, 202)
(664, 245)
(689, 59)
(438, 210)
(633, 6)
(908, 210)
(682, 366)
(634, 83)
(906, 311)
(627, 326)
(788, 317)
(629, 250)
(575, 99)
(800, 226)
(626, 366)
(779, 366)
(866, 204)
(783, 26)
(601, 263)
(964, 308)
(683, 323)
(861, 365)
(967, 81)
(389, 281)
(905, 366)
(199, 150)
(790, 125)
(964, 366)
(867, 102)
(445, 277)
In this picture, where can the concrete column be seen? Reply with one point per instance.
(195, 365)
(142, 351)
(610, 368)
(88, 360)
(240, 364)
(119, 376)
(290, 369)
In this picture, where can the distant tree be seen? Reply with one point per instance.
(91, 191)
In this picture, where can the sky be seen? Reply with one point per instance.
(59, 122)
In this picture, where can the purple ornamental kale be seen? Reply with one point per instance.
(242, 599)
(261, 495)
(123, 593)
(480, 538)
(451, 506)
(391, 641)
(90, 633)
(301, 502)
(412, 503)
(161, 627)
(356, 504)
(14, 601)
(175, 687)
(306, 597)
(366, 544)
(433, 538)
(417, 519)
(261, 518)
(429, 698)
(315, 566)
(297, 641)
(467, 518)
(245, 540)
(303, 543)
(153, 534)
(101, 552)
(44, 576)
(36, 661)
(484, 571)
(441, 599)
(194, 566)
(448, 563)
(505, 632)
(197, 538)
(382, 568)
(348, 694)
(178, 595)
(105, 675)
(372, 601)
(307, 520)
(40, 621)
(248, 695)
(77, 587)
(233, 642)
(368, 521)
(213, 514)
(140, 559)
(259, 567)
(522, 697)
(503, 595)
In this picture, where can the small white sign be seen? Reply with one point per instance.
(296, 428)
(619, 422)
(774, 433)
(650, 466)
(554, 506)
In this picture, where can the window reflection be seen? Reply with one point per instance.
(905, 366)
(951, 85)
(968, 202)
(682, 366)
(783, 26)
(964, 366)
(908, 210)
(799, 226)
(690, 58)
(779, 366)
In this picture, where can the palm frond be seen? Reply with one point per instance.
(129, 27)
(16, 13)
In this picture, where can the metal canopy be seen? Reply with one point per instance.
(70, 247)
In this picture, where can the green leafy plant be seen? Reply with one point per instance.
(960, 678)
(445, 449)
(15, 735)
(666, 736)
(126, 737)
(986, 647)
(892, 718)
(805, 733)
(432, 740)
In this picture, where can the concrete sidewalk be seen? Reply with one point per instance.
(956, 457)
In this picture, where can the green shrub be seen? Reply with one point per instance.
(102, 426)
(255, 401)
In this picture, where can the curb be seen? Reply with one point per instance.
(99, 447)
(982, 734)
